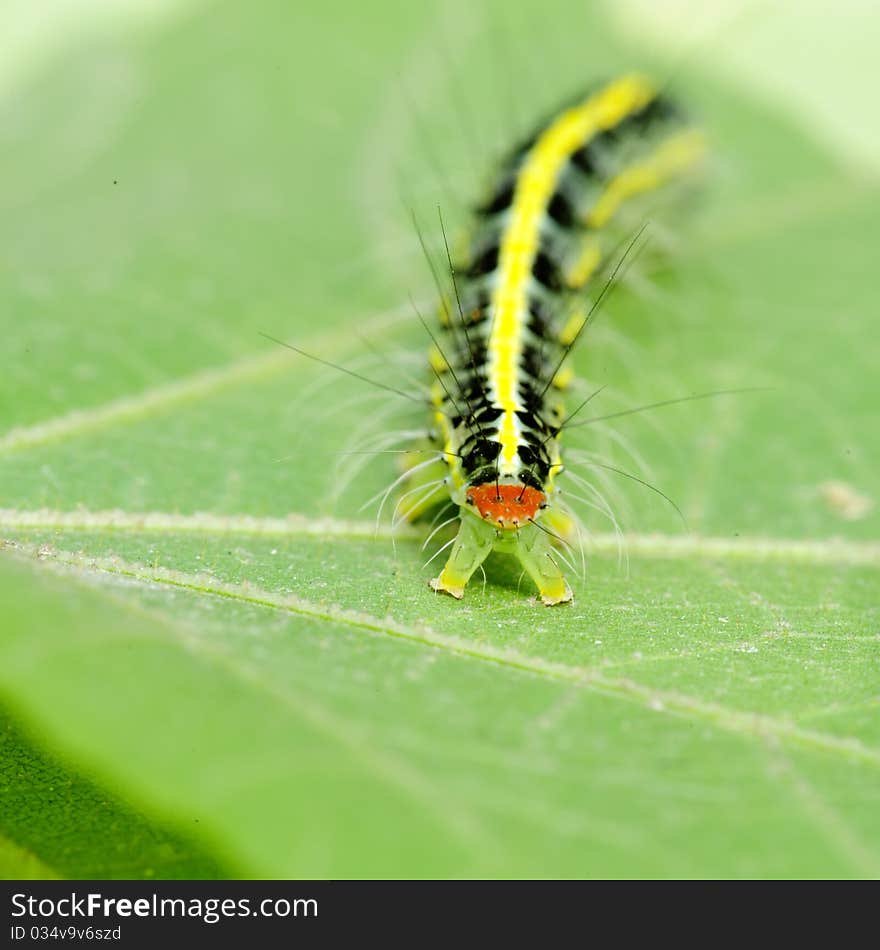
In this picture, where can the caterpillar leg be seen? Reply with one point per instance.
(472, 546)
(535, 553)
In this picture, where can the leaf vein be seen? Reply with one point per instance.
(829, 551)
(741, 723)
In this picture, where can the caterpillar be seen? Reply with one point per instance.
(519, 302)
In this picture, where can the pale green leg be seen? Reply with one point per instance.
(472, 546)
(535, 553)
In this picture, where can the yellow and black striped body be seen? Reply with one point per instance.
(548, 225)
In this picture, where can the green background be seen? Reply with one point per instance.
(187, 692)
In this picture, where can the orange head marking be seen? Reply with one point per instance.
(508, 506)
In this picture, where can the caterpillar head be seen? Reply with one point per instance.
(508, 507)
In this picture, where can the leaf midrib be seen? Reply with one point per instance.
(744, 724)
(297, 524)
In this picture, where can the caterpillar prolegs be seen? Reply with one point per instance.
(520, 300)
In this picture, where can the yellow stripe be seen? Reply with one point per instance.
(437, 360)
(587, 261)
(535, 186)
(677, 153)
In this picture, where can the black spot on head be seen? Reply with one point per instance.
(535, 460)
(529, 478)
(483, 454)
(527, 454)
(489, 449)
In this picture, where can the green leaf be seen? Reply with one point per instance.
(77, 828)
(212, 665)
